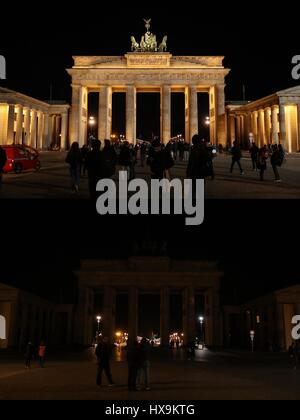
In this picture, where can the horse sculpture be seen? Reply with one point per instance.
(163, 44)
(134, 45)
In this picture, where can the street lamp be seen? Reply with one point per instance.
(98, 318)
(92, 123)
(207, 120)
(201, 319)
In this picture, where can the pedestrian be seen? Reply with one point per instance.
(84, 151)
(3, 159)
(94, 165)
(103, 354)
(236, 157)
(160, 161)
(125, 158)
(198, 165)
(144, 364)
(262, 158)
(293, 353)
(133, 363)
(42, 354)
(74, 159)
(109, 160)
(254, 153)
(143, 153)
(187, 149)
(29, 353)
(277, 158)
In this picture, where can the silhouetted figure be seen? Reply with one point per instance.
(74, 159)
(144, 363)
(42, 354)
(254, 153)
(109, 160)
(236, 157)
(277, 158)
(94, 165)
(133, 363)
(293, 353)
(103, 354)
(160, 161)
(199, 159)
(29, 353)
(262, 161)
(84, 151)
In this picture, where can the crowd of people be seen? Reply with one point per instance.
(138, 360)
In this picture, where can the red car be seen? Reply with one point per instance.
(21, 158)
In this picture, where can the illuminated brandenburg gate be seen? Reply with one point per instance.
(143, 71)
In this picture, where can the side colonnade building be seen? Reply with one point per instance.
(29, 121)
(271, 120)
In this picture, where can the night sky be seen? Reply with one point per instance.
(250, 239)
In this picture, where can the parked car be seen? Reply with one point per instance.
(21, 158)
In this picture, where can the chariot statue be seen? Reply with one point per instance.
(148, 41)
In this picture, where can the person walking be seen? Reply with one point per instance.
(29, 353)
(3, 159)
(103, 354)
(74, 159)
(160, 161)
(236, 157)
(109, 160)
(125, 158)
(254, 153)
(94, 165)
(84, 151)
(277, 158)
(42, 354)
(133, 363)
(262, 161)
(143, 153)
(144, 364)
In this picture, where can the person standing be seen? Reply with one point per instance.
(29, 353)
(42, 354)
(125, 158)
(109, 160)
(262, 161)
(144, 364)
(160, 161)
(277, 158)
(143, 153)
(133, 363)
(3, 159)
(74, 159)
(103, 354)
(254, 153)
(236, 157)
(94, 165)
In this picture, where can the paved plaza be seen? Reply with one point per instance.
(53, 180)
(212, 375)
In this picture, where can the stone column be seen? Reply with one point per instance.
(232, 129)
(220, 117)
(255, 128)
(166, 114)
(267, 114)
(46, 132)
(33, 128)
(164, 316)
(274, 128)
(83, 329)
(186, 117)
(261, 127)
(189, 316)
(238, 129)
(131, 114)
(109, 312)
(64, 131)
(282, 135)
(76, 112)
(40, 130)
(133, 313)
(298, 120)
(10, 124)
(193, 111)
(27, 126)
(19, 126)
(105, 113)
